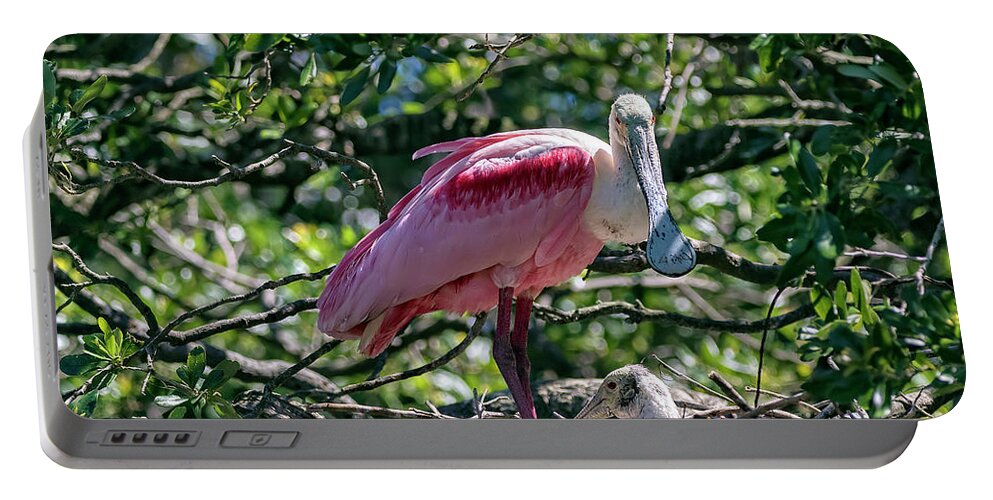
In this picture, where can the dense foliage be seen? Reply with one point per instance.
(810, 152)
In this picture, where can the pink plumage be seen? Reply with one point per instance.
(498, 212)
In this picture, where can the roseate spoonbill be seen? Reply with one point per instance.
(502, 217)
(631, 392)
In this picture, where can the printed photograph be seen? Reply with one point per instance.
(481, 226)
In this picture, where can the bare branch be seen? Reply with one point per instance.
(501, 54)
(273, 315)
(121, 285)
(687, 378)
(375, 411)
(332, 157)
(929, 255)
(637, 313)
(797, 120)
(862, 252)
(268, 285)
(729, 390)
(135, 171)
(772, 405)
(681, 100)
(666, 74)
(280, 379)
(471, 335)
(810, 104)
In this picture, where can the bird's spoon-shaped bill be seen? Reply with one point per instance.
(669, 251)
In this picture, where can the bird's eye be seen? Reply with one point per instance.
(611, 385)
(653, 120)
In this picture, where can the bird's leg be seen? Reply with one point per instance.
(503, 354)
(519, 342)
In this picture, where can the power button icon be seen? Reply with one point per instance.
(259, 439)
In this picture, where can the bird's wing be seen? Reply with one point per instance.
(497, 200)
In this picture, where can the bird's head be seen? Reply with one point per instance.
(632, 127)
(630, 392)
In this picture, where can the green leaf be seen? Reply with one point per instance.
(801, 258)
(112, 342)
(857, 71)
(821, 142)
(778, 231)
(810, 173)
(257, 42)
(841, 299)
(48, 79)
(431, 55)
(102, 379)
(220, 408)
(104, 325)
(880, 158)
(830, 240)
(362, 49)
(196, 362)
(309, 70)
(85, 404)
(220, 374)
(855, 285)
(387, 71)
(75, 126)
(354, 86)
(170, 401)
(120, 113)
(821, 301)
(129, 347)
(90, 93)
(178, 412)
(80, 364)
(93, 345)
(890, 75)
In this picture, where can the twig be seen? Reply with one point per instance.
(726, 154)
(685, 377)
(677, 113)
(666, 74)
(180, 251)
(725, 261)
(139, 272)
(471, 335)
(765, 334)
(500, 55)
(331, 157)
(153, 54)
(862, 252)
(243, 322)
(772, 405)
(637, 313)
(929, 255)
(280, 379)
(136, 171)
(778, 395)
(119, 284)
(375, 411)
(268, 285)
(796, 120)
(808, 104)
(729, 390)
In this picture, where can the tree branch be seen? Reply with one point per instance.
(119, 284)
(471, 335)
(637, 313)
(331, 157)
(501, 54)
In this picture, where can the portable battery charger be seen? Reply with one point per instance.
(471, 250)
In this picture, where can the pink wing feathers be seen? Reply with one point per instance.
(491, 205)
